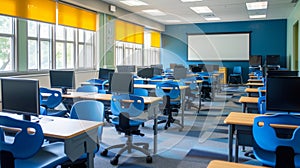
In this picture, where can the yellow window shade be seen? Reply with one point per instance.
(75, 17)
(41, 10)
(128, 32)
(155, 39)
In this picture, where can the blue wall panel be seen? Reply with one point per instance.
(267, 37)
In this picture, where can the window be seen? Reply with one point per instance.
(85, 49)
(129, 53)
(39, 45)
(7, 40)
(65, 47)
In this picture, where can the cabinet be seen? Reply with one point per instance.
(223, 70)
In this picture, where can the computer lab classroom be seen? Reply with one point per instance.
(143, 83)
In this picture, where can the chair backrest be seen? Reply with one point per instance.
(131, 104)
(173, 90)
(237, 70)
(260, 91)
(194, 87)
(52, 99)
(140, 92)
(25, 143)
(88, 110)
(261, 104)
(267, 140)
(87, 88)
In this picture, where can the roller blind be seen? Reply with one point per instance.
(129, 32)
(75, 17)
(41, 10)
(155, 39)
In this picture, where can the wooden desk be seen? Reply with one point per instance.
(247, 100)
(224, 164)
(79, 136)
(151, 112)
(182, 97)
(254, 84)
(252, 91)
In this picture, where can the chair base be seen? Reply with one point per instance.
(128, 147)
(169, 121)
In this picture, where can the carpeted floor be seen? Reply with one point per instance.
(203, 138)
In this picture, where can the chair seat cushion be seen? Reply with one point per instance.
(48, 156)
(132, 123)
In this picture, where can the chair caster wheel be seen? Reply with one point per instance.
(114, 161)
(166, 127)
(104, 152)
(149, 159)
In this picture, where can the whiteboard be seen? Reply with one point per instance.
(219, 47)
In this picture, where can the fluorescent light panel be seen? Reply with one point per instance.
(190, 0)
(212, 18)
(201, 9)
(173, 21)
(257, 16)
(154, 12)
(257, 5)
(133, 3)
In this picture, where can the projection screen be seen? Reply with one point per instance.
(219, 47)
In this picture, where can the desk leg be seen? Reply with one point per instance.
(230, 141)
(244, 106)
(182, 96)
(155, 135)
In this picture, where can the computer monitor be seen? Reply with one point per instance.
(62, 79)
(172, 65)
(283, 94)
(146, 73)
(126, 68)
(255, 61)
(110, 74)
(122, 82)
(202, 67)
(180, 73)
(160, 66)
(20, 96)
(215, 68)
(103, 73)
(208, 68)
(275, 73)
(273, 60)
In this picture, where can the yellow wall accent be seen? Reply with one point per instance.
(129, 32)
(155, 39)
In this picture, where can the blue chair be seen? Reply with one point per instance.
(168, 106)
(99, 83)
(272, 150)
(261, 104)
(138, 81)
(140, 92)
(236, 76)
(27, 149)
(91, 110)
(124, 106)
(260, 91)
(87, 88)
(50, 100)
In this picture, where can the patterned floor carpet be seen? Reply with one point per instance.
(203, 138)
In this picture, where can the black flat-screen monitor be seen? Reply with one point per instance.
(62, 79)
(283, 94)
(255, 61)
(146, 73)
(160, 66)
(273, 60)
(202, 67)
(20, 96)
(281, 73)
(126, 68)
(122, 82)
(109, 81)
(103, 73)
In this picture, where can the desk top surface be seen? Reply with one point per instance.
(225, 164)
(255, 84)
(62, 128)
(107, 97)
(152, 86)
(245, 99)
(240, 118)
(253, 90)
(255, 80)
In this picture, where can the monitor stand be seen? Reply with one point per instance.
(64, 90)
(26, 117)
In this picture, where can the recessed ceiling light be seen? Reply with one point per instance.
(190, 0)
(212, 18)
(133, 3)
(257, 16)
(201, 9)
(154, 12)
(257, 5)
(173, 21)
